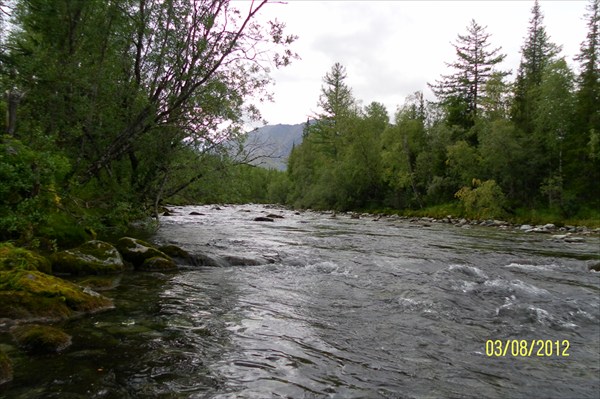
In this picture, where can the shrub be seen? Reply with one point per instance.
(484, 201)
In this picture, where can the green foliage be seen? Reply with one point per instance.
(485, 200)
(29, 186)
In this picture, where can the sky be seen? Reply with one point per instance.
(393, 48)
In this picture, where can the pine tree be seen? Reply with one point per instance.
(463, 93)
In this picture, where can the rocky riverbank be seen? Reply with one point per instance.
(37, 291)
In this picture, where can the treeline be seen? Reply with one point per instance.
(112, 106)
(488, 146)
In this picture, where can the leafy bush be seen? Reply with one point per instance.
(484, 201)
(27, 191)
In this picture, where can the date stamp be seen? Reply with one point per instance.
(527, 348)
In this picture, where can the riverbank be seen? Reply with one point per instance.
(39, 293)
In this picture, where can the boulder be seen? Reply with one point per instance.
(137, 251)
(93, 257)
(176, 252)
(205, 260)
(594, 267)
(13, 258)
(6, 371)
(40, 339)
(158, 264)
(274, 216)
(29, 294)
(196, 213)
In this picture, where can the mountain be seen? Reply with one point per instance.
(271, 145)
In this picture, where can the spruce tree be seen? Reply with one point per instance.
(536, 54)
(581, 148)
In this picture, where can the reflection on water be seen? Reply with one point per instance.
(335, 308)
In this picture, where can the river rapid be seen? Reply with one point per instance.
(315, 306)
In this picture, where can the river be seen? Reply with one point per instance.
(314, 306)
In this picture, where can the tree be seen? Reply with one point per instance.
(337, 104)
(581, 149)
(463, 93)
(123, 86)
(536, 54)
(402, 144)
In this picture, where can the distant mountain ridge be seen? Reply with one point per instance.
(270, 145)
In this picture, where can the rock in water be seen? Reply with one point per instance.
(38, 339)
(6, 371)
(158, 264)
(263, 219)
(28, 294)
(137, 251)
(93, 257)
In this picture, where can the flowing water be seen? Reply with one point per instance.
(322, 307)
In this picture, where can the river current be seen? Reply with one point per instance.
(315, 306)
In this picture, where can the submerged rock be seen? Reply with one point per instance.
(137, 251)
(6, 371)
(14, 258)
(38, 339)
(28, 294)
(263, 219)
(240, 261)
(93, 257)
(274, 216)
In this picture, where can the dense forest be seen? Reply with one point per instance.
(486, 147)
(115, 108)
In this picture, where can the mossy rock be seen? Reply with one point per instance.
(93, 257)
(6, 370)
(28, 294)
(36, 338)
(137, 251)
(177, 253)
(13, 258)
(158, 264)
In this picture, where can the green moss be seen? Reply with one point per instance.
(158, 264)
(175, 252)
(6, 371)
(93, 257)
(31, 294)
(100, 283)
(137, 251)
(37, 338)
(13, 258)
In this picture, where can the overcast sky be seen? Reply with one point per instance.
(393, 48)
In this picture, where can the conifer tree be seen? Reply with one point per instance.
(536, 54)
(462, 93)
(337, 104)
(581, 148)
